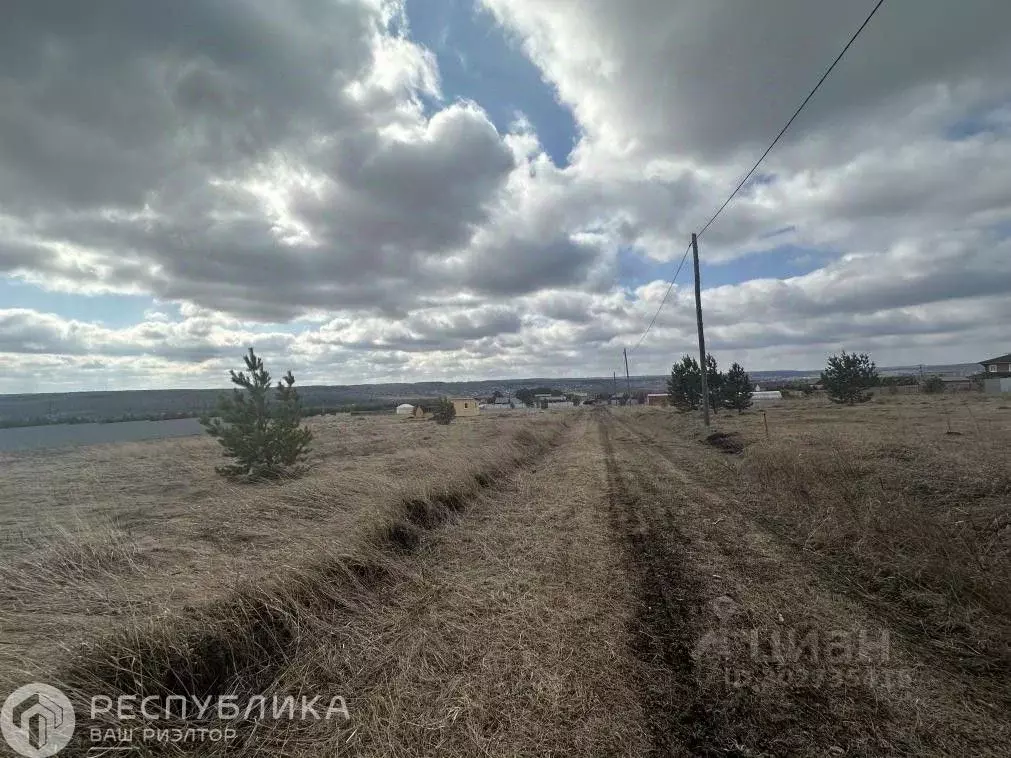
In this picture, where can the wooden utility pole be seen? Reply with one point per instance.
(702, 336)
(628, 380)
(615, 393)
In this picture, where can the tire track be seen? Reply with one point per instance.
(834, 574)
(682, 533)
(667, 613)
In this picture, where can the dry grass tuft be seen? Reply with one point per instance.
(925, 536)
(68, 558)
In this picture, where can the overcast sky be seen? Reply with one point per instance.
(375, 190)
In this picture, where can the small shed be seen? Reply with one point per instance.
(405, 409)
(658, 399)
(465, 406)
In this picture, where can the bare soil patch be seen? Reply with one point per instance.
(725, 442)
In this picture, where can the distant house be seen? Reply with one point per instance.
(465, 406)
(998, 367)
(997, 378)
(405, 409)
(658, 399)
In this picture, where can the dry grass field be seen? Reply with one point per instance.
(842, 524)
(605, 582)
(143, 529)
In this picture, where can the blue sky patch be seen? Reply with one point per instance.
(114, 311)
(980, 121)
(478, 62)
(782, 262)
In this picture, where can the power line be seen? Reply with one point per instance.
(794, 116)
(758, 163)
(665, 296)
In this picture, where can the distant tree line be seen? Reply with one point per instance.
(528, 395)
(378, 406)
(52, 420)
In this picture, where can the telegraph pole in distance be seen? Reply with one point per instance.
(702, 336)
(615, 394)
(628, 380)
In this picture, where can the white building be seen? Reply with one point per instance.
(405, 409)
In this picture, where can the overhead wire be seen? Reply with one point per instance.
(758, 163)
(664, 300)
(796, 113)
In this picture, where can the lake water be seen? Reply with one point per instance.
(70, 435)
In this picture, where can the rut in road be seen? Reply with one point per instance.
(669, 600)
(734, 634)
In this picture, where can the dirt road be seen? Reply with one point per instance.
(745, 650)
(606, 594)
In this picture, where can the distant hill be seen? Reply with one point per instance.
(127, 405)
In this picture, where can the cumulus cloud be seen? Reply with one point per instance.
(294, 176)
(279, 161)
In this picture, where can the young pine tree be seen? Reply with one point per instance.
(714, 382)
(264, 438)
(848, 377)
(737, 388)
(685, 384)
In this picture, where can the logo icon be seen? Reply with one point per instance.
(37, 720)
